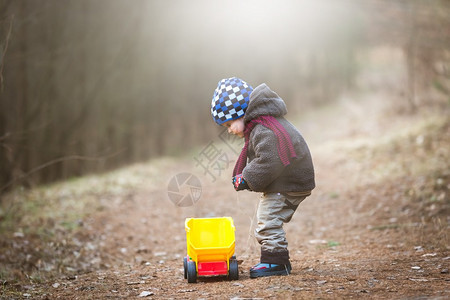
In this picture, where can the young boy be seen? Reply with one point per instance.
(279, 164)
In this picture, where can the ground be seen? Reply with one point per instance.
(375, 227)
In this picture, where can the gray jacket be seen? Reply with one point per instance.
(264, 171)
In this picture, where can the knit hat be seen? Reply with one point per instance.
(230, 100)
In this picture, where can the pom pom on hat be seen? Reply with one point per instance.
(230, 100)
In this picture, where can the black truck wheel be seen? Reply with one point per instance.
(191, 272)
(185, 267)
(233, 272)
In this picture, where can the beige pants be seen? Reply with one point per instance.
(274, 210)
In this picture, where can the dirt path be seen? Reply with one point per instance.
(362, 234)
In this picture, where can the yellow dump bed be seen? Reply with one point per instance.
(210, 239)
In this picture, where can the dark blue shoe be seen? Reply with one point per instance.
(263, 269)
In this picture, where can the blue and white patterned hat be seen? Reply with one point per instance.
(230, 100)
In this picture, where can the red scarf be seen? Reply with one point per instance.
(284, 144)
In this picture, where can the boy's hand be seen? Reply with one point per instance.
(239, 183)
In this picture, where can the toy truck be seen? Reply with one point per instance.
(210, 248)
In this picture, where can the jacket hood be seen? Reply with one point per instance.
(264, 102)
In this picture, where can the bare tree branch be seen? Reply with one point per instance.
(2, 62)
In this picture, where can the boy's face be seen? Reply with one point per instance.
(235, 127)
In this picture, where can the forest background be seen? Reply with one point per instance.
(89, 86)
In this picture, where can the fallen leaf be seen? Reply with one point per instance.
(318, 242)
(145, 294)
(186, 291)
(429, 254)
(418, 248)
(418, 279)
